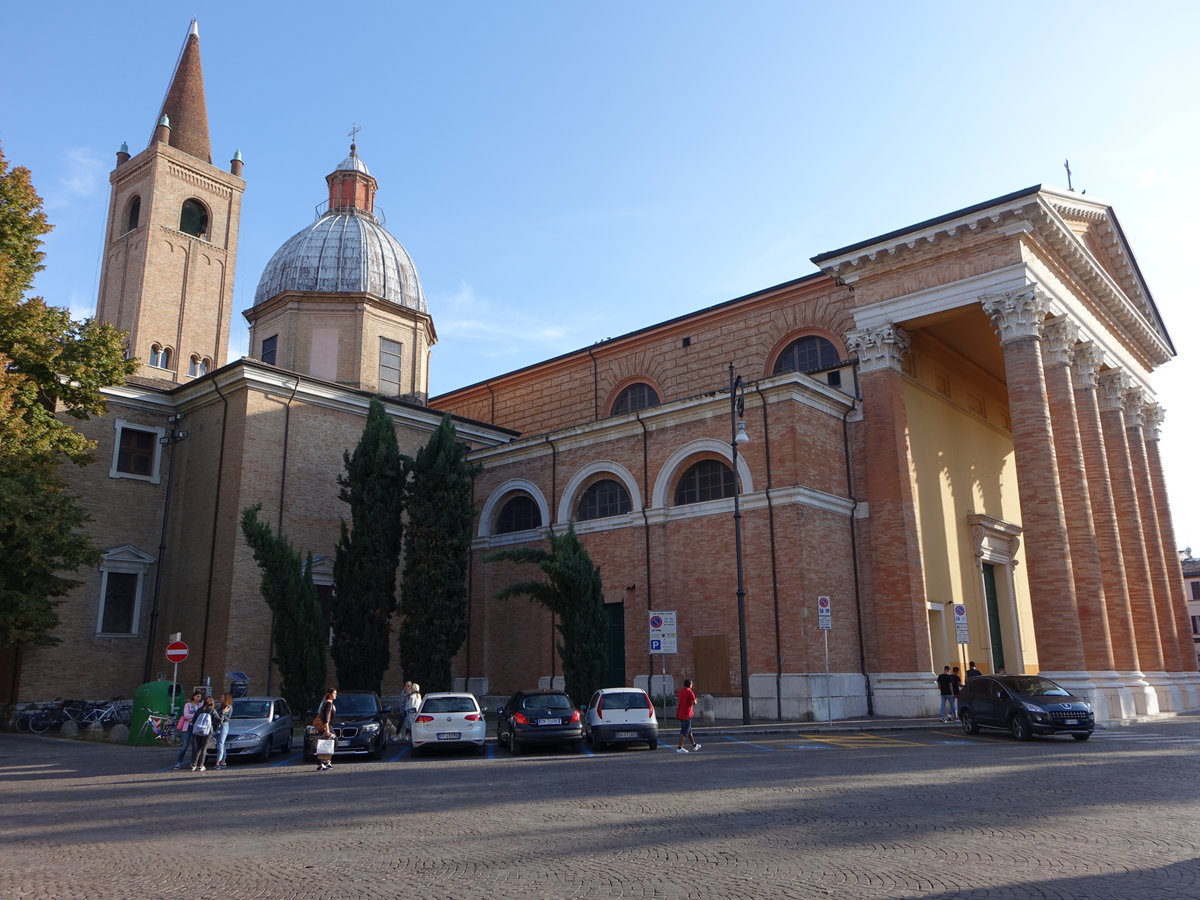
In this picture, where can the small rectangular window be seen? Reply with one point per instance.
(120, 601)
(135, 455)
(1195, 585)
(1195, 624)
(389, 367)
(267, 354)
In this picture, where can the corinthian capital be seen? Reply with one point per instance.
(1152, 414)
(1085, 363)
(1016, 315)
(1135, 403)
(1111, 386)
(1059, 337)
(882, 347)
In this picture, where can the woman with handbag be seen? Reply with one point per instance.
(320, 724)
(184, 726)
(203, 724)
(223, 714)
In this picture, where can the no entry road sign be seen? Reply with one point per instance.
(177, 651)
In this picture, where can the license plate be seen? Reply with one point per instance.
(1070, 721)
(449, 735)
(626, 734)
(549, 721)
(343, 744)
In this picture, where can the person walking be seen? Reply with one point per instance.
(973, 672)
(203, 724)
(945, 683)
(184, 726)
(224, 714)
(685, 712)
(956, 685)
(320, 724)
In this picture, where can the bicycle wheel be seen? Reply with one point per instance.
(171, 736)
(123, 715)
(22, 722)
(39, 724)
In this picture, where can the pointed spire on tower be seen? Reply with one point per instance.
(184, 105)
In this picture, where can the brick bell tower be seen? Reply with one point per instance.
(170, 243)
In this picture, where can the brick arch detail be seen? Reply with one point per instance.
(501, 493)
(640, 378)
(588, 474)
(692, 452)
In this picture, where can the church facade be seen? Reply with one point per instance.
(940, 446)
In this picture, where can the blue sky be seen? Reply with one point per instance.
(566, 172)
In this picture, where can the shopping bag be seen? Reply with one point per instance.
(325, 747)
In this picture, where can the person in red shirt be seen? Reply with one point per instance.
(685, 712)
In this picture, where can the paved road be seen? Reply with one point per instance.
(884, 814)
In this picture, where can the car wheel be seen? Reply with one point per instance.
(265, 754)
(417, 751)
(287, 745)
(577, 746)
(967, 719)
(1020, 727)
(653, 745)
(377, 753)
(1082, 737)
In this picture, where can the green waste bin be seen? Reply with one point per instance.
(161, 697)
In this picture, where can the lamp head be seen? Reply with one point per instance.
(741, 437)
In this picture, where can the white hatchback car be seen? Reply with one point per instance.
(620, 716)
(448, 719)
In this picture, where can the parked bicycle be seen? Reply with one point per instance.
(116, 711)
(161, 725)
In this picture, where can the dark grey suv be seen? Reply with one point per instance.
(359, 725)
(1024, 705)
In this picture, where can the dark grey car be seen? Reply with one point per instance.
(539, 717)
(1024, 705)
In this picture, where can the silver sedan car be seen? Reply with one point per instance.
(258, 727)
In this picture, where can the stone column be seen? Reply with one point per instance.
(1112, 386)
(1017, 316)
(895, 572)
(1060, 335)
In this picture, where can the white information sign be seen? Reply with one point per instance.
(824, 614)
(961, 633)
(663, 637)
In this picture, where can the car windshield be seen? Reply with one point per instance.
(449, 705)
(624, 700)
(356, 704)
(546, 701)
(251, 709)
(1035, 686)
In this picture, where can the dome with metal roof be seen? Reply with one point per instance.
(346, 250)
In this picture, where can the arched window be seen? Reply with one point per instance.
(193, 218)
(197, 366)
(638, 395)
(519, 513)
(134, 214)
(810, 353)
(605, 498)
(709, 479)
(160, 356)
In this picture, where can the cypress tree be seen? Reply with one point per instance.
(287, 587)
(367, 555)
(437, 544)
(575, 595)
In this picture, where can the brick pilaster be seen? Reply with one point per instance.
(1111, 386)
(897, 572)
(1017, 316)
(1084, 366)
(1060, 335)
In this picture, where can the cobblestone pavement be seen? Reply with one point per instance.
(885, 814)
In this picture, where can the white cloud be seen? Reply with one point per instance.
(84, 175)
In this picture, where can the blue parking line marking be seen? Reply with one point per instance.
(287, 760)
(490, 751)
(809, 747)
(403, 751)
(729, 737)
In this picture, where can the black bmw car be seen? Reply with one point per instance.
(1024, 705)
(358, 725)
(539, 717)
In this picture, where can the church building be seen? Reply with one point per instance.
(939, 446)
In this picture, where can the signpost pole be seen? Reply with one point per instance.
(828, 685)
(825, 623)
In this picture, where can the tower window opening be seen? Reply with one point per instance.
(134, 214)
(193, 219)
(389, 367)
(267, 354)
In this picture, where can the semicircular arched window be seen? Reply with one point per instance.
(633, 397)
(134, 213)
(193, 218)
(709, 479)
(810, 353)
(519, 513)
(606, 497)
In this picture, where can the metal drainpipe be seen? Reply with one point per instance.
(212, 544)
(862, 647)
(774, 559)
(646, 542)
(550, 525)
(595, 386)
(162, 554)
(287, 424)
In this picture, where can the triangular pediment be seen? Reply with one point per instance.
(128, 554)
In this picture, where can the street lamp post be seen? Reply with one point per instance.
(168, 440)
(737, 435)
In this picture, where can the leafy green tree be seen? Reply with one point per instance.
(287, 587)
(50, 365)
(575, 595)
(368, 555)
(436, 550)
